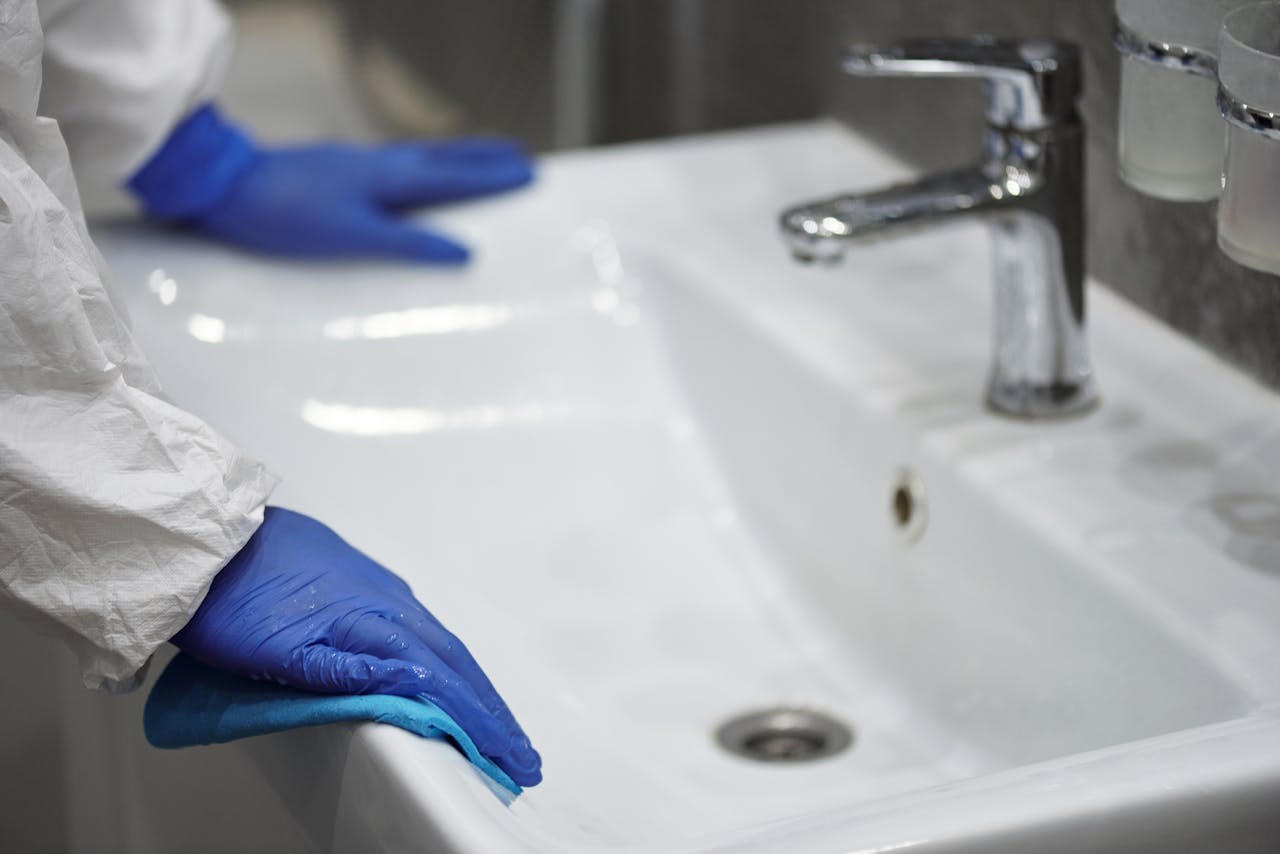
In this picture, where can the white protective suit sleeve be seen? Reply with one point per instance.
(120, 74)
(117, 508)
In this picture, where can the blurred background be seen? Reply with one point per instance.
(564, 74)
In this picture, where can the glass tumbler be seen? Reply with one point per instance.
(1171, 135)
(1249, 97)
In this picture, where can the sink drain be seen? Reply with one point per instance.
(784, 735)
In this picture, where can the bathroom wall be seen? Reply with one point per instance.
(767, 60)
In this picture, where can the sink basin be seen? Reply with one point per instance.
(658, 476)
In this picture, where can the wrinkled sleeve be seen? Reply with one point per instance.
(117, 508)
(119, 75)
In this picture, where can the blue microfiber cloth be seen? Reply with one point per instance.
(193, 704)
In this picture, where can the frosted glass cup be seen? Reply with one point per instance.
(1249, 215)
(1171, 137)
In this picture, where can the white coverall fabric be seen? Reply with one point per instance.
(119, 74)
(117, 508)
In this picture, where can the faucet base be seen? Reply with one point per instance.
(1037, 401)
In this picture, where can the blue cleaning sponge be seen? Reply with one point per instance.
(193, 704)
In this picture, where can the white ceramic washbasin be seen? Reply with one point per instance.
(644, 465)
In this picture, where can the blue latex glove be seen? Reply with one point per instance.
(299, 606)
(327, 200)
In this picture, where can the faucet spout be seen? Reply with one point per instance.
(823, 230)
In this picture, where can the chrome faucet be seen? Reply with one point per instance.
(1028, 186)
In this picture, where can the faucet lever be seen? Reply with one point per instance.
(1031, 85)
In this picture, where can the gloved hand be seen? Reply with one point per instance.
(299, 606)
(320, 201)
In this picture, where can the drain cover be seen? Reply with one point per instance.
(784, 735)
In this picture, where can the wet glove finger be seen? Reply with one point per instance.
(416, 635)
(454, 653)
(413, 635)
(330, 670)
(384, 637)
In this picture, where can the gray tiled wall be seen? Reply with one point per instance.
(1161, 255)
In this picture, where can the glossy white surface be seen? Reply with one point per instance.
(641, 463)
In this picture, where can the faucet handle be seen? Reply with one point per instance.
(1031, 84)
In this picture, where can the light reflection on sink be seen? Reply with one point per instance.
(644, 466)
